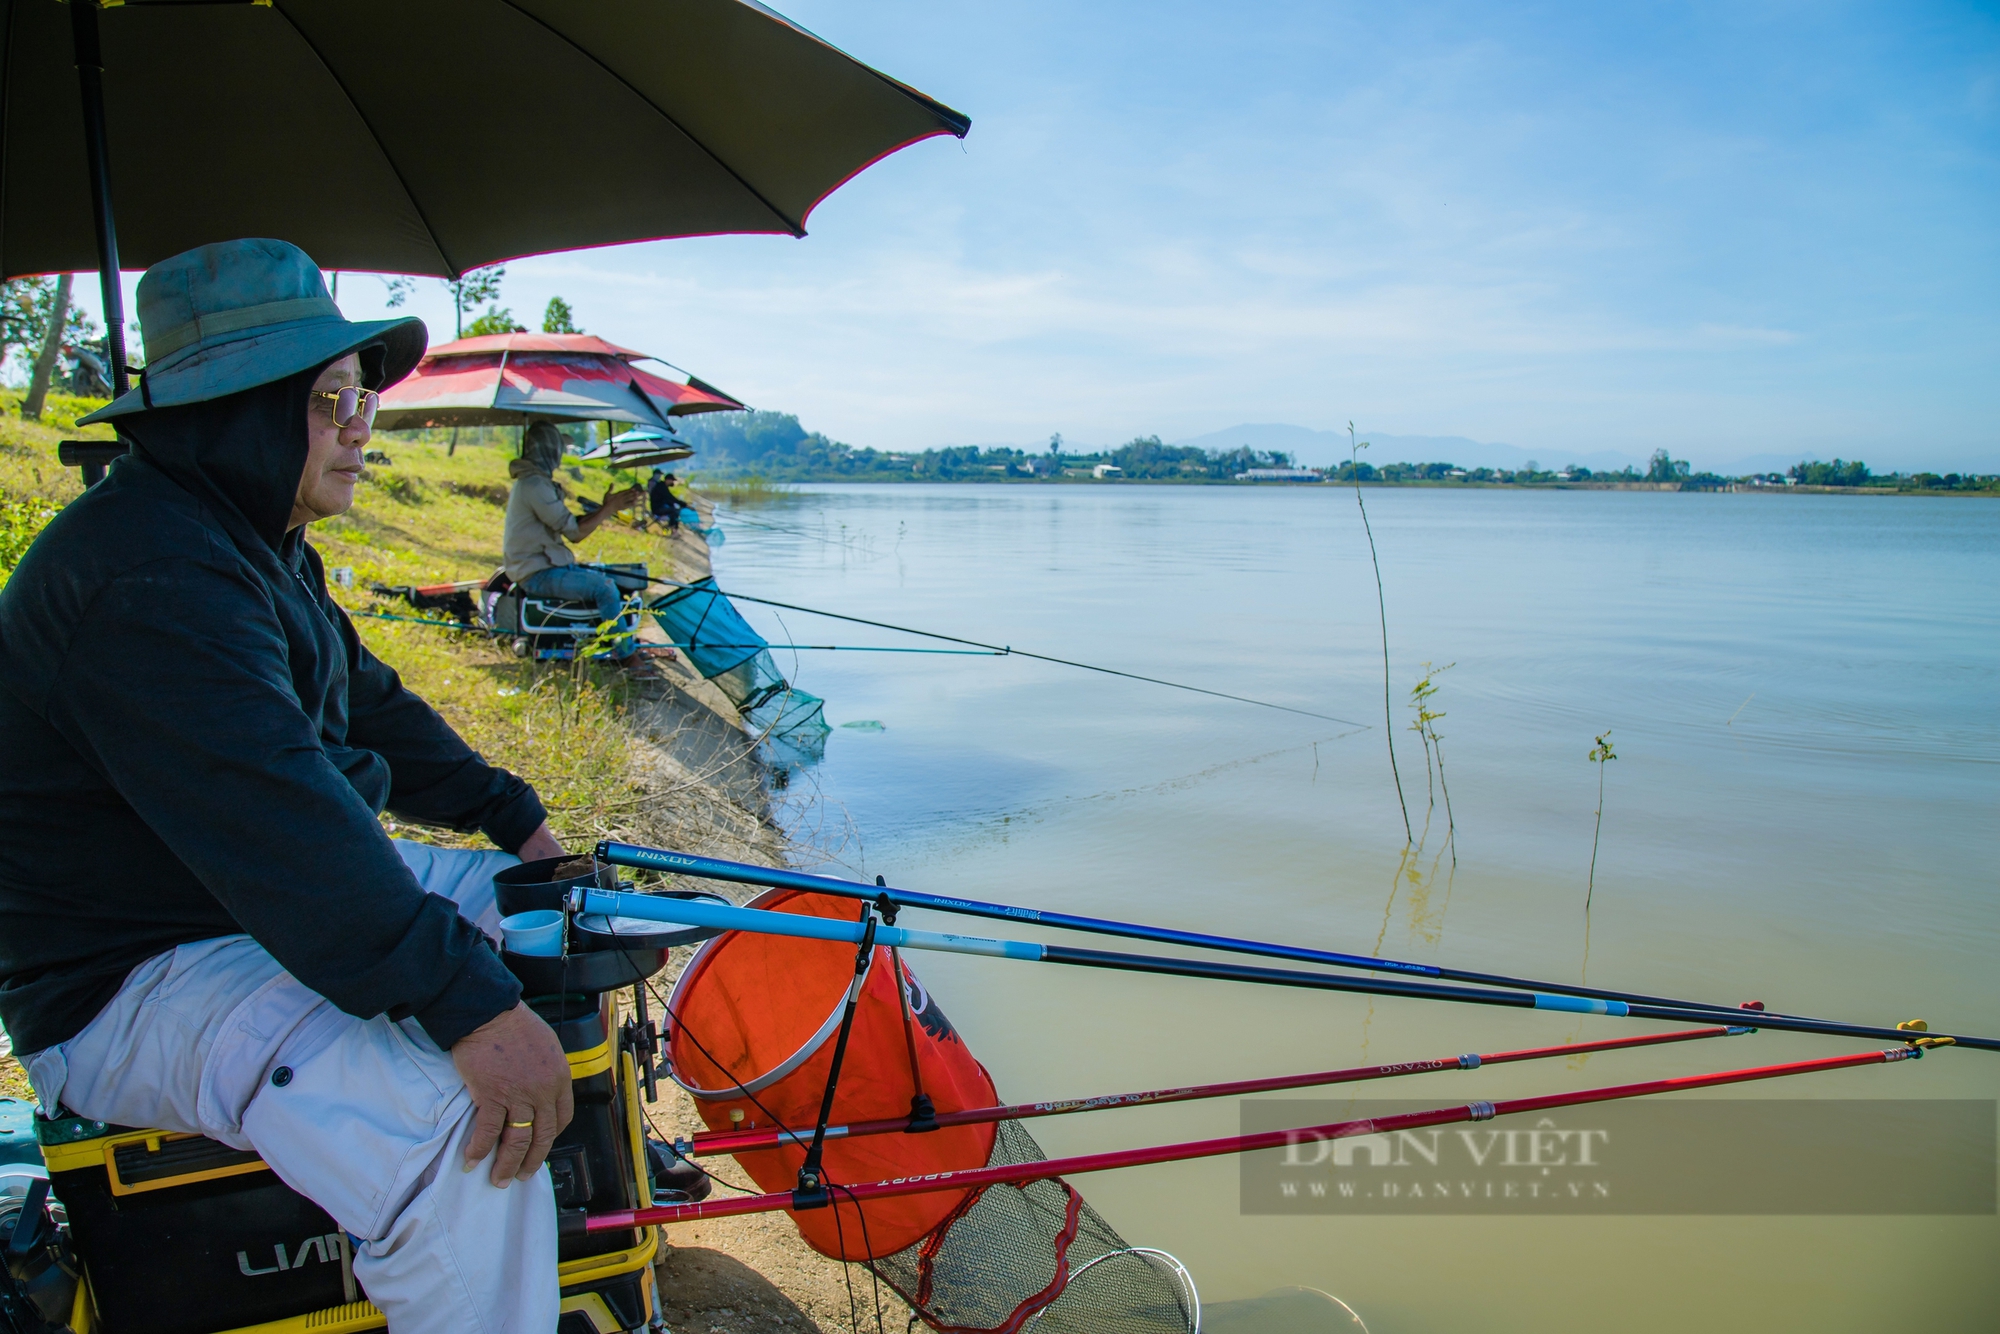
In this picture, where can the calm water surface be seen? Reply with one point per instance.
(1801, 692)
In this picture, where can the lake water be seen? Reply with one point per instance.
(1801, 693)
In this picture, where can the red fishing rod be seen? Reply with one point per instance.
(573, 1222)
(709, 1143)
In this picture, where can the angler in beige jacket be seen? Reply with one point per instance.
(540, 527)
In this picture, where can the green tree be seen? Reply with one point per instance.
(468, 291)
(25, 307)
(558, 318)
(52, 346)
(493, 320)
(1663, 468)
(1836, 473)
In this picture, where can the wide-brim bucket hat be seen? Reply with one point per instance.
(230, 316)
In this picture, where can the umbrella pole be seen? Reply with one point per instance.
(90, 78)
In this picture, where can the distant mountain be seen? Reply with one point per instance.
(1317, 449)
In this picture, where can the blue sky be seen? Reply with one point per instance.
(1729, 229)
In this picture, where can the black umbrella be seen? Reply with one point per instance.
(422, 136)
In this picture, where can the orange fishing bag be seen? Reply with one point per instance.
(753, 1023)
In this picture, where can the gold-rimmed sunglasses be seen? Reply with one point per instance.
(351, 405)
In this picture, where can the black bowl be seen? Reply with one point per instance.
(585, 974)
(528, 887)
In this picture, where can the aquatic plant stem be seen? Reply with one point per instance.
(1382, 611)
(1600, 755)
(1426, 729)
(1450, 825)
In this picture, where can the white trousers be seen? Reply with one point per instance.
(369, 1124)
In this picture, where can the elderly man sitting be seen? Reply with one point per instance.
(203, 926)
(540, 528)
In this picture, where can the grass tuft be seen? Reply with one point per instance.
(754, 489)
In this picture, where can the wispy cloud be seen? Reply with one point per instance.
(1569, 229)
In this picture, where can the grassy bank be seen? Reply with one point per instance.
(33, 485)
(428, 517)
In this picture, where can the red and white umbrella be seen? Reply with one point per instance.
(509, 379)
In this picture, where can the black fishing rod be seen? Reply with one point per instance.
(714, 868)
(1006, 650)
(728, 917)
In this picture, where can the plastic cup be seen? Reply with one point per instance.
(538, 933)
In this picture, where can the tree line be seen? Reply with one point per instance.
(776, 446)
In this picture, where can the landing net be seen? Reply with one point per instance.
(1038, 1258)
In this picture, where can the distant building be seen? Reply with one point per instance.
(1105, 470)
(1279, 475)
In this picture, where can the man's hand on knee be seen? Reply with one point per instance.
(517, 1074)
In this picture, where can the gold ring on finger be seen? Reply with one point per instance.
(521, 1125)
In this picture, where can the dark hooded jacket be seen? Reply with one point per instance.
(194, 743)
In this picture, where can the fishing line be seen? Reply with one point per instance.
(419, 620)
(858, 648)
(846, 1270)
(980, 825)
(868, 1245)
(1007, 650)
(735, 517)
(979, 650)
(672, 1014)
(846, 1273)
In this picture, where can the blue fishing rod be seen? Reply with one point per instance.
(720, 917)
(742, 873)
